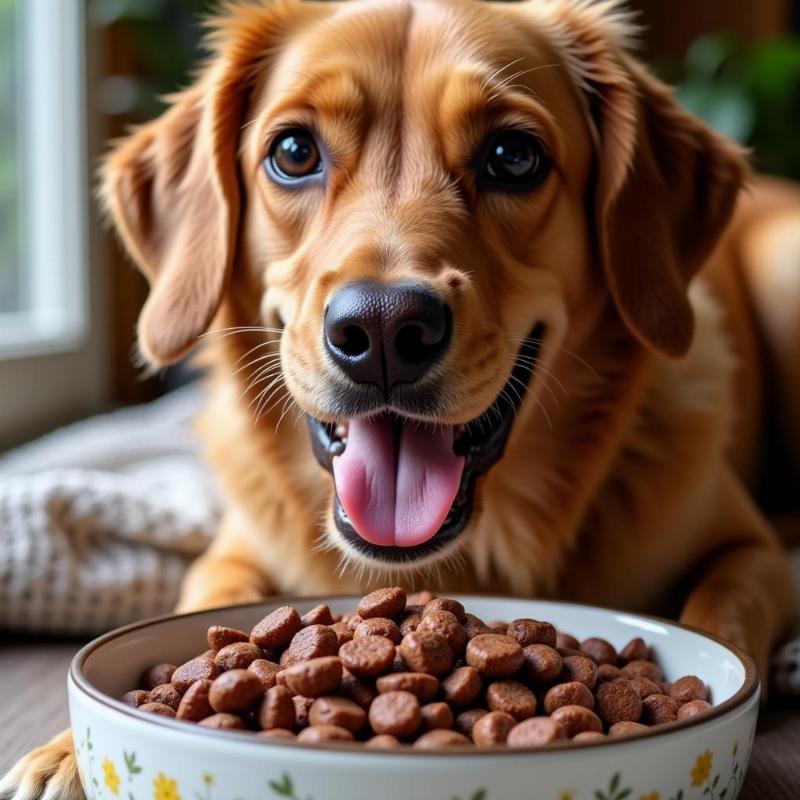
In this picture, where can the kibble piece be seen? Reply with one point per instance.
(494, 655)
(512, 697)
(532, 631)
(337, 711)
(693, 708)
(492, 729)
(658, 709)
(277, 709)
(445, 604)
(166, 694)
(688, 688)
(136, 698)
(302, 708)
(235, 690)
(157, 675)
(540, 663)
(395, 713)
(194, 704)
(319, 615)
(223, 721)
(157, 708)
(265, 671)
(420, 684)
(239, 655)
(197, 669)
(315, 734)
(572, 693)
(579, 668)
(465, 722)
(535, 732)
(617, 701)
(643, 669)
(644, 687)
(409, 622)
(608, 672)
(314, 677)
(474, 626)
(277, 628)
(382, 742)
(462, 686)
(599, 650)
(588, 736)
(635, 650)
(566, 641)
(426, 652)
(390, 602)
(368, 656)
(446, 625)
(276, 733)
(627, 728)
(378, 626)
(575, 719)
(343, 632)
(439, 738)
(357, 690)
(220, 636)
(315, 641)
(436, 715)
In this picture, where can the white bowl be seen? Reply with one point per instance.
(127, 754)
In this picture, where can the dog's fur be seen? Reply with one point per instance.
(629, 474)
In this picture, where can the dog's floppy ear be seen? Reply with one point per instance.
(173, 192)
(172, 186)
(666, 188)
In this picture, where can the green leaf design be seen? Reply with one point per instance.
(715, 782)
(623, 794)
(284, 787)
(479, 795)
(612, 787)
(723, 793)
(599, 796)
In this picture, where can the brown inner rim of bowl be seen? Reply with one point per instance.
(748, 688)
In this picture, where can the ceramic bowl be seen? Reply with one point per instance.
(130, 755)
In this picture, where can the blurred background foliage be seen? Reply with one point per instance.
(749, 91)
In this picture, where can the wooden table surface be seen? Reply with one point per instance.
(33, 706)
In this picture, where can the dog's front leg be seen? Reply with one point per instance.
(229, 572)
(745, 592)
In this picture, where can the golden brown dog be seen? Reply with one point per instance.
(479, 317)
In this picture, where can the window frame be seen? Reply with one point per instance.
(52, 356)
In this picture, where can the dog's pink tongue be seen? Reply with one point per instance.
(397, 490)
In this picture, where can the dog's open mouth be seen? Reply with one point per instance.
(404, 488)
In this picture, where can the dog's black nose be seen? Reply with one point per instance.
(386, 335)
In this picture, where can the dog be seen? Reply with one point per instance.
(483, 310)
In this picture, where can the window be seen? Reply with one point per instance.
(50, 361)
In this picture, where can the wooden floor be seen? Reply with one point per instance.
(33, 706)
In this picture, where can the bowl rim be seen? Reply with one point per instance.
(750, 685)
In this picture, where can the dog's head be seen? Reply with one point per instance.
(427, 200)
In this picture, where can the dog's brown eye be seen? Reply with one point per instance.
(515, 161)
(294, 155)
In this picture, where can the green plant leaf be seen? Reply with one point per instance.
(623, 794)
(715, 782)
(284, 787)
(479, 795)
(723, 793)
(612, 787)
(599, 796)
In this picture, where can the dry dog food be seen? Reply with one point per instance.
(419, 671)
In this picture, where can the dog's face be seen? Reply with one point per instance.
(427, 200)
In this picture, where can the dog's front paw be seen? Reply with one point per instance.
(46, 773)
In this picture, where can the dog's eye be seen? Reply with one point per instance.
(294, 155)
(515, 161)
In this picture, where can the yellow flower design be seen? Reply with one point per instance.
(702, 768)
(110, 776)
(651, 796)
(567, 796)
(165, 788)
(208, 779)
